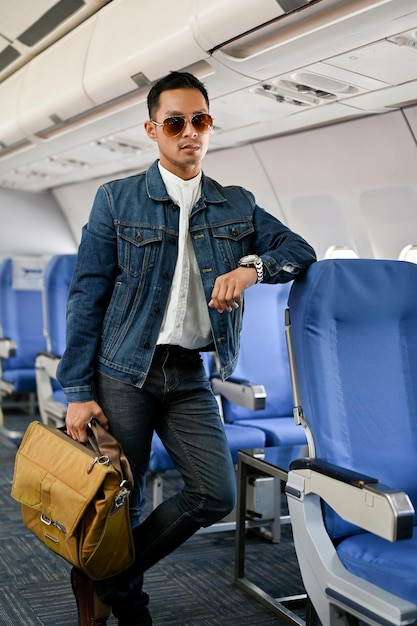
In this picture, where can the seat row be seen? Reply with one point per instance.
(256, 403)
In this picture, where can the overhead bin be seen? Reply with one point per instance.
(138, 42)
(312, 34)
(216, 22)
(10, 131)
(32, 26)
(52, 90)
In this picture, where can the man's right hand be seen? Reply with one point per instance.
(79, 414)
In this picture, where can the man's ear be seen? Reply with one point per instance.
(150, 130)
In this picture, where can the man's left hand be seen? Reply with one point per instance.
(228, 288)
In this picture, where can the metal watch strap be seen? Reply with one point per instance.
(259, 266)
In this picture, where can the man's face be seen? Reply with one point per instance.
(182, 154)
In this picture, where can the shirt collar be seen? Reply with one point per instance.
(171, 179)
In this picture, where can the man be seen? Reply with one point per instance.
(162, 267)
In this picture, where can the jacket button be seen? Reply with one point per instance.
(134, 379)
(165, 275)
(157, 309)
(147, 345)
(172, 240)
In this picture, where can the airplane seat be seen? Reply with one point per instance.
(57, 281)
(21, 333)
(352, 337)
(263, 359)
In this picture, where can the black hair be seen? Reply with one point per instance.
(174, 80)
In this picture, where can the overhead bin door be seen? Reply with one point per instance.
(217, 22)
(10, 132)
(52, 90)
(135, 42)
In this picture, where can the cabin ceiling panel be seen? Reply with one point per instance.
(384, 61)
(269, 74)
(396, 97)
(282, 124)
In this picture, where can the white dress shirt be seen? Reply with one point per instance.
(186, 321)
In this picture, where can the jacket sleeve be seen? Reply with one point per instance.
(89, 296)
(284, 253)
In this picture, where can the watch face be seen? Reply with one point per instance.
(250, 258)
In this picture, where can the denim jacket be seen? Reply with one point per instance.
(125, 266)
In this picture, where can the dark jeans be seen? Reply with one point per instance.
(177, 402)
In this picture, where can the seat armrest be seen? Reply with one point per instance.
(359, 499)
(48, 362)
(7, 348)
(51, 411)
(240, 392)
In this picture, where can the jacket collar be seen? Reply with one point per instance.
(210, 190)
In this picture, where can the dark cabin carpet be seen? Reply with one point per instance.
(192, 587)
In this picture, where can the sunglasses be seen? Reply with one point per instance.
(174, 125)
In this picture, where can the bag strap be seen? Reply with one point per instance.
(103, 442)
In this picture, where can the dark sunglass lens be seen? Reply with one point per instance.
(173, 126)
(202, 122)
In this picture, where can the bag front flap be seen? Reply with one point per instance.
(57, 476)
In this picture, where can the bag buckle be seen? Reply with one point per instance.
(49, 522)
(120, 498)
(101, 460)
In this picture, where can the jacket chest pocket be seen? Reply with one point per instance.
(138, 248)
(233, 241)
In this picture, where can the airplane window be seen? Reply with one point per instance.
(409, 253)
(340, 252)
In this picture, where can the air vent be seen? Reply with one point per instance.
(323, 83)
(119, 145)
(280, 94)
(408, 39)
(308, 90)
(64, 163)
(60, 12)
(29, 174)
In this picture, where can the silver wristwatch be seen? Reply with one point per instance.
(253, 260)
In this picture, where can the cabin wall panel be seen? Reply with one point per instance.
(76, 201)
(341, 163)
(32, 224)
(242, 166)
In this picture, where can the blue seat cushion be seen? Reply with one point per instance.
(279, 431)
(238, 437)
(23, 380)
(160, 461)
(59, 396)
(241, 437)
(391, 566)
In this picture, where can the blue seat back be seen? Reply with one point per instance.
(20, 320)
(263, 357)
(57, 281)
(354, 329)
